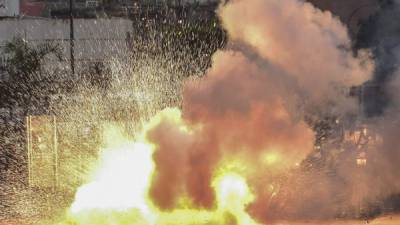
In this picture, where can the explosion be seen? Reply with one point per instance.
(119, 191)
(215, 160)
(110, 188)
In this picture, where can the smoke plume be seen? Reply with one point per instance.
(284, 59)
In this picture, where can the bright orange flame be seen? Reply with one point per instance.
(118, 193)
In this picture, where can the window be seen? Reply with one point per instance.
(92, 3)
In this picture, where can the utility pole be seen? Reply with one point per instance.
(71, 36)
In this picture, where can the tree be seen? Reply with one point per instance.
(29, 82)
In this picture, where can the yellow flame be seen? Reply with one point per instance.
(233, 195)
(172, 115)
(271, 157)
(113, 136)
(121, 183)
(118, 193)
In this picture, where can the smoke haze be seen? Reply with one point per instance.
(285, 58)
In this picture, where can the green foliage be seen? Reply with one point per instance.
(29, 84)
(26, 62)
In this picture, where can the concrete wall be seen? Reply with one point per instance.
(9, 8)
(95, 39)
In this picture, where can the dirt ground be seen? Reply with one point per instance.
(386, 220)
